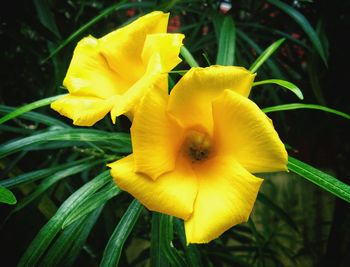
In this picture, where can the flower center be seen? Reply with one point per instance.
(197, 145)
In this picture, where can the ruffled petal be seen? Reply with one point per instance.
(161, 51)
(89, 74)
(243, 131)
(122, 48)
(83, 110)
(191, 98)
(155, 137)
(172, 193)
(226, 195)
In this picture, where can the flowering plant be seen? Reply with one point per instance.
(192, 155)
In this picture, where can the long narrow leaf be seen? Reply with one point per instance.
(29, 107)
(81, 239)
(304, 24)
(158, 259)
(6, 196)
(45, 236)
(37, 175)
(113, 250)
(294, 106)
(35, 117)
(265, 55)
(48, 182)
(321, 179)
(188, 57)
(104, 13)
(288, 85)
(278, 211)
(116, 141)
(192, 253)
(93, 202)
(68, 241)
(227, 43)
(166, 237)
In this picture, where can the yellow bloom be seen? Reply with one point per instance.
(194, 151)
(112, 74)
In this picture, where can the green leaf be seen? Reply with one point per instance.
(265, 55)
(113, 250)
(35, 117)
(47, 233)
(117, 142)
(73, 237)
(37, 175)
(188, 57)
(158, 259)
(288, 85)
(278, 211)
(304, 24)
(81, 239)
(166, 238)
(28, 107)
(45, 16)
(192, 253)
(7, 197)
(93, 202)
(50, 181)
(103, 14)
(227, 43)
(271, 64)
(323, 180)
(294, 106)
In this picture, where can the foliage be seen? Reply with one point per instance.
(70, 213)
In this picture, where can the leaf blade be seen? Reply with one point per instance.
(321, 179)
(6, 196)
(288, 85)
(227, 43)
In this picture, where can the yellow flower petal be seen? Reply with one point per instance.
(155, 137)
(226, 195)
(191, 97)
(242, 130)
(89, 74)
(172, 193)
(161, 51)
(122, 48)
(83, 110)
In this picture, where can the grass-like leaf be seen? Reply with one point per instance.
(166, 237)
(121, 5)
(294, 106)
(186, 54)
(227, 43)
(71, 238)
(321, 179)
(6, 196)
(35, 117)
(119, 142)
(304, 24)
(192, 254)
(37, 175)
(37, 104)
(278, 211)
(288, 85)
(113, 250)
(158, 259)
(266, 54)
(50, 181)
(92, 203)
(46, 235)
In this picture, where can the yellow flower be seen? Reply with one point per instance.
(111, 74)
(194, 151)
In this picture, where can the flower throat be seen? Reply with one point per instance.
(197, 145)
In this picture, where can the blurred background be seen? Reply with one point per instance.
(294, 222)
